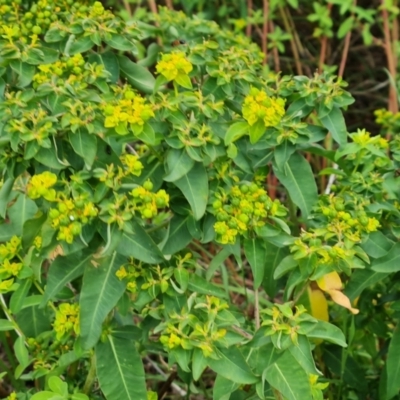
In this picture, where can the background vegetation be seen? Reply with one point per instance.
(199, 200)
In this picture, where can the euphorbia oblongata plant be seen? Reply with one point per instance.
(140, 239)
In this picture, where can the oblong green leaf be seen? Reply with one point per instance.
(288, 377)
(179, 236)
(235, 132)
(138, 76)
(6, 325)
(232, 365)
(120, 370)
(362, 279)
(256, 255)
(326, 331)
(297, 177)
(334, 122)
(4, 195)
(390, 262)
(101, 290)
(63, 270)
(178, 163)
(194, 186)
(139, 244)
(393, 365)
(85, 145)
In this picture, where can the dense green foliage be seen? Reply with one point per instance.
(139, 237)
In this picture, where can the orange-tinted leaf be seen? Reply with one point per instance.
(341, 299)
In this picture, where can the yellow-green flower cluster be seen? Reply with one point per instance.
(130, 273)
(196, 330)
(70, 216)
(387, 118)
(132, 165)
(363, 138)
(174, 65)
(344, 223)
(40, 185)
(243, 208)
(148, 203)
(72, 70)
(259, 106)
(10, 265)
(32, 125)
(112, 176)
(67, 320)
(132, 110)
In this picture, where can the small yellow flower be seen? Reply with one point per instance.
(67, 320)
(11, 268)
(174, 64)
(6, 285)
(373, 225)
(258, 106)
(39, 186)
(121, 273)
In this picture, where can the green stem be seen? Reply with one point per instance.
(91, 376)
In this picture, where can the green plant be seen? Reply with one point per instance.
(137, 225)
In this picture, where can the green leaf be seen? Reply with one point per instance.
(179, 236)
(120, 42)
(110, 62)
(24, 71)
(393, 365)
(48, 157)
(360, 280)
(200, 285)
(256, 255)
(120, 370)
(283, 152)
(81, 45)
(5, 195)
(147, 135)
(297, 177)
(46, 395)
(58, 386)
(101, 290)
(286, 265)
(336, 125)
(232, 365)
(217, 261)
(138, 76)
(63, 270)
(223, 388)
(6, 325)
(33, 321)
(21, 352)
(326, 331)
(345, 27)
(85, 145)
(138, 244)
(256, 131)
(390, 262)
(235, 132)
(288, 377)
(302, 353)
(18, 297)
(22, 210)
(178, 164)
(199, 363)
(194, 186)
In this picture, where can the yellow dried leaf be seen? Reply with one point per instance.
(330, 281)
(319, 305)
(341, 299)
